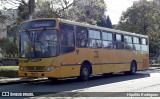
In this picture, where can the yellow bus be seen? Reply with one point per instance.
(57, 48)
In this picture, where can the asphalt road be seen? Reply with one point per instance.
(143, 81)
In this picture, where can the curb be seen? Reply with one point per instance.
(19, 80)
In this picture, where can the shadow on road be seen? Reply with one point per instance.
(69, 85)
(74, 84)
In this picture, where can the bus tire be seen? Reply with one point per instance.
(133, 68)
(85, 72)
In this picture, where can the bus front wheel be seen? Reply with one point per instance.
(85, 72)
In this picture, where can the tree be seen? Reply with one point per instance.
(105, 22)
(8, 48)
(52, 8)
(9, 45)
(13, 3)
(23, 12)
(87, 11)
(143, 18)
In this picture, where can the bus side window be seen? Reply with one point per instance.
(81, 37)
(136, 43)
(107, 40)
(144, 46)
(95, 39)
(128, 42)
(118, 42)
(67, 38)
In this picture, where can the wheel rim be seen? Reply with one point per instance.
(85, 72)
(133, 68)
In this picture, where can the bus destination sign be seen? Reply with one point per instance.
(38, 24)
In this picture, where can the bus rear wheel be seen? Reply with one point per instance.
(85, 72)
(133, 68)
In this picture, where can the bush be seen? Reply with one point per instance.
(8, 73)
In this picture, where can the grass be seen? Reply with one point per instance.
(9, 67)
(8, 71)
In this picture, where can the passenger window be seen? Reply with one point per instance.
(67, 38)
(107, 36)
(144, 41)
(118, 37)
(136, 43)
(81, 37)
(107, 40)
(94, 34)
(144, 46)
(94, 39)
(118, 44)
(136, 40)
(128, 42)
(128, 39)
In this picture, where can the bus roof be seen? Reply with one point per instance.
(92, 26)
(101, 28)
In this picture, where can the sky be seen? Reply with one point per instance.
(116, 7)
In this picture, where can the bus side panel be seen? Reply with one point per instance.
(69, 65)
(144, 61)
(107, 58)
(70, 71)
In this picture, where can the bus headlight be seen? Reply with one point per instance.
(49, 68)
(22, 68)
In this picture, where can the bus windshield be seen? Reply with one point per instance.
(39, 43)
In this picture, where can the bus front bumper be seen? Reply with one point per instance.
(54, 74)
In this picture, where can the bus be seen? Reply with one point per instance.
(55, 48)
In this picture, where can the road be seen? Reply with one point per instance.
(143, 81)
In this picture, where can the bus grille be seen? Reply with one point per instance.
(35, 68)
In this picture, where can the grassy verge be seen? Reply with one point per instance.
(9, 67)
(8, 72)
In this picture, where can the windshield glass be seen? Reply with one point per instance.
(39, 43)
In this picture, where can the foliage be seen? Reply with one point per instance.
(105, 22)
(143, 18)
(88, 11)
(9, 45)
(52, 8)
(8, 48)
(23, 12)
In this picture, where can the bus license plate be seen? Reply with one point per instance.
(34, 74)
